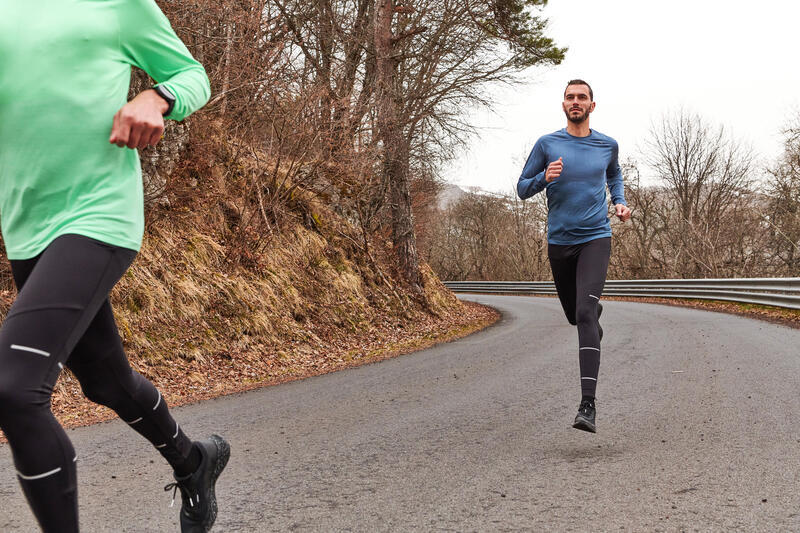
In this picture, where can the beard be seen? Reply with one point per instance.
(576, 119)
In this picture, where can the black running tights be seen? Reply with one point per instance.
(62, 316)
(579, 272)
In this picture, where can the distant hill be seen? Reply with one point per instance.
(449, 194)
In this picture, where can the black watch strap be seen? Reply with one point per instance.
(165, 93)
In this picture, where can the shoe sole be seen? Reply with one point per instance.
(223, 454)
(584, 425)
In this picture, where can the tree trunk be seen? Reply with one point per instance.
(394, 145)
(324, 17)
(226, 79)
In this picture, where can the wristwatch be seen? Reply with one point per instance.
(165, 93)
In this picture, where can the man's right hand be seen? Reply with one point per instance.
(553, 170)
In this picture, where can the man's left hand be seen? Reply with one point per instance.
(140, 122)
(623, 212)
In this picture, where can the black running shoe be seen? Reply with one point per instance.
(199, 509)
(584, 420)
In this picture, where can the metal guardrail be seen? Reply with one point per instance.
(778, 292)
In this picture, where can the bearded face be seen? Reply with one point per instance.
(576, 115)
(577, 104)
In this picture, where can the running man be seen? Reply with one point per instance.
(72, 219)
(574, 165)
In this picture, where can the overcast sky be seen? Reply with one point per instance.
(735, 62)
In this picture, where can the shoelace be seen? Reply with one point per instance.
(174, 486)
(585, 406)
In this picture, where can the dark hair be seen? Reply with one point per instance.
(580, 82)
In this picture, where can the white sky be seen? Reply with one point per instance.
(735, 62)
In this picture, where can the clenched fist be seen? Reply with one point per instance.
(140, 122)
(553, 170)
(623, 212)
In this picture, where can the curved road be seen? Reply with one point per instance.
(697, 419)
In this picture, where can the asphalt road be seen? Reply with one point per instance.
(697, 417)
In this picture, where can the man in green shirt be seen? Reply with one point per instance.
(72, 218)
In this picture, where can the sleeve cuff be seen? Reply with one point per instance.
(541, 180)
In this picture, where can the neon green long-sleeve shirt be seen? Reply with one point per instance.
(65, 69)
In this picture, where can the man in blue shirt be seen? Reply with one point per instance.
(574, 165)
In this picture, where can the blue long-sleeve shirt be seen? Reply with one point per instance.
(576, 200)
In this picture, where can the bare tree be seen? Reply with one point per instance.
(486, 236)
(783, 207)
(390, 133)
(360, 101)
(641, 247)
(705, 173)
